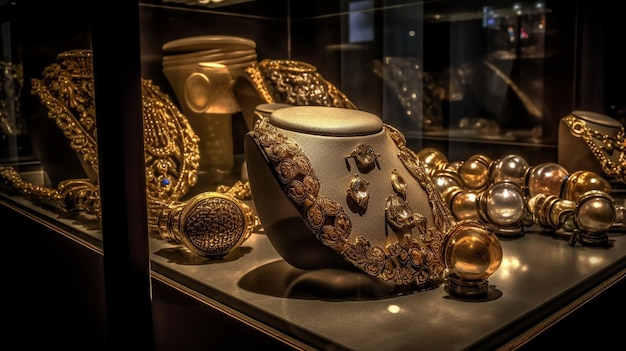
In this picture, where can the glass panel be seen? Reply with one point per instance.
(47, 114)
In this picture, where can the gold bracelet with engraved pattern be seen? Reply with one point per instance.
(211, 224)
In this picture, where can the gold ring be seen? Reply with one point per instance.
(210, 224)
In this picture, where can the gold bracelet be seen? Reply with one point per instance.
(72, 195)
(602, 146)
(211, 224)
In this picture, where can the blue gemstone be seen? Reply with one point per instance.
(165, 182)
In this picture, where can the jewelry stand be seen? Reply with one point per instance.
(353, 159)
(206, 98)
(581, 129)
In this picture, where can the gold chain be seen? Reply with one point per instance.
(602, 152)
(72, 195)
(240, 190)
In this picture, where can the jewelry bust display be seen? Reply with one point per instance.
(309, 165)
(593, 142)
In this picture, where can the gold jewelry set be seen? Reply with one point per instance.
(171, 156)
(213, 224)
(415, 258)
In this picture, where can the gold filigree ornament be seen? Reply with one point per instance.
(171, 150)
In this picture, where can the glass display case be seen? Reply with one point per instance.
(143, 159)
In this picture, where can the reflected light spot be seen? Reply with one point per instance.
(509, 265)
(595, 260)
(393, 308)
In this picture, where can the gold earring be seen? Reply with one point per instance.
(365, 157)
(358, 194)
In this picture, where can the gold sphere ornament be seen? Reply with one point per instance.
(508, 168)
(474, 172)
(595, 211)
(462, 203)
(432, 159)
(502, 206)
(472, 254)
(580, 182)
(595, 214)
(445, 179)
(544, 178)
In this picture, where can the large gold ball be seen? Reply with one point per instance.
(503, 204)
(474, 172)
(509, 168)
(432, 159)
(595, 211)
(580, 182)
(472, 252)
(463, 205)
(545, 178)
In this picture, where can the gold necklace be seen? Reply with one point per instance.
(296, 83)
(413, 259)
(602, 146)
(171, 147)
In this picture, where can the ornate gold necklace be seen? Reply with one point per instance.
(171, 147)
(296, 83)
(416, 258)
(602, 146)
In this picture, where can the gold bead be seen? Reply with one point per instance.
(580, 182)
(463, 204)
(595, 211)
(473, 252)
(544, 178)
(509, 168)
(432, 160)
(474, 172)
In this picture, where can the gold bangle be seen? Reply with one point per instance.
(211, 224)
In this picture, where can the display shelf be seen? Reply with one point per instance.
(542, 278)
(80, 226)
